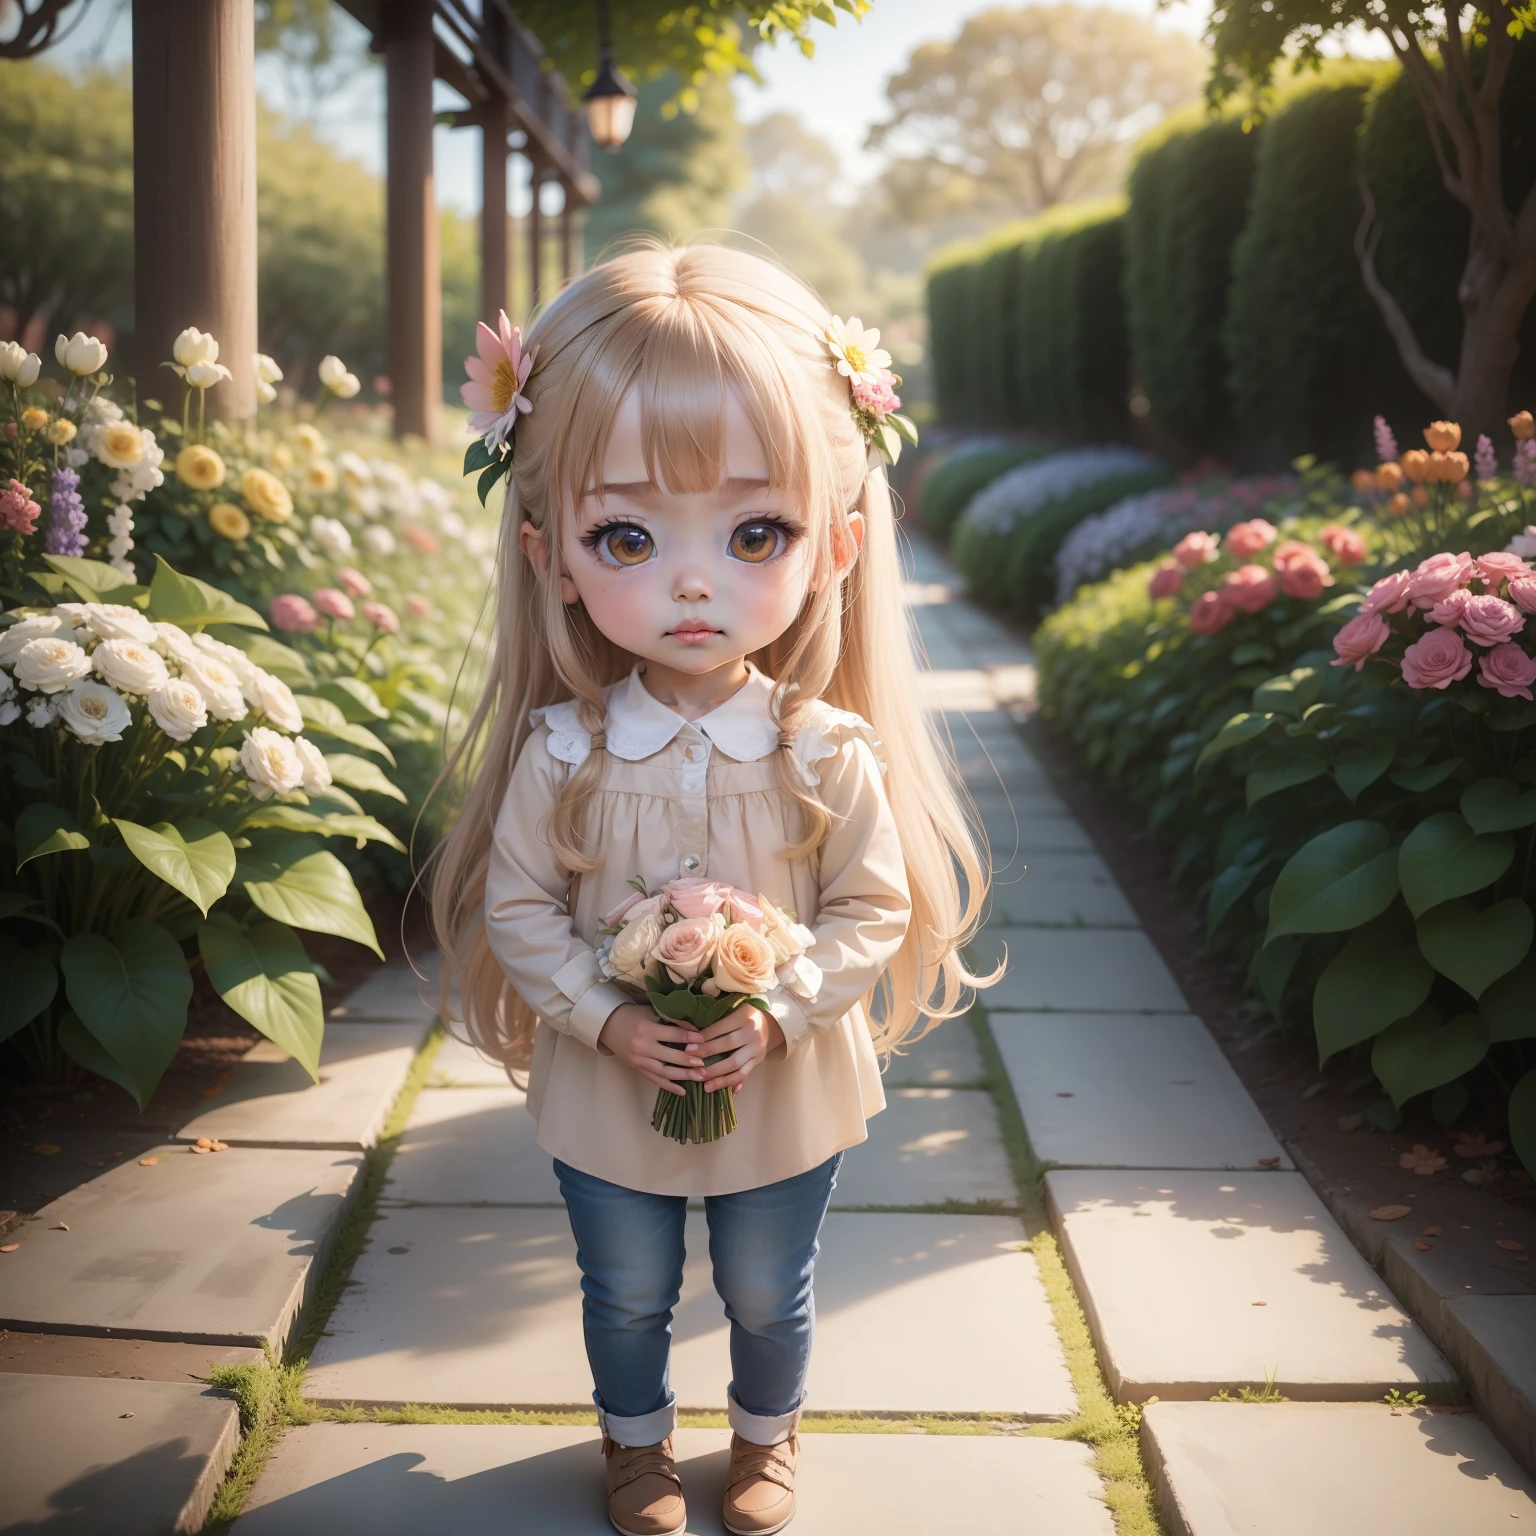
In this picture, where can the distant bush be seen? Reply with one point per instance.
(950, 485)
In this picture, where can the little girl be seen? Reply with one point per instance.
(703, 679)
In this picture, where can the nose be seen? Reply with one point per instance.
(691, 585)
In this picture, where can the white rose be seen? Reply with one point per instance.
(331, 369)
(787, 937)
(206, 375)
(346, 386)
(801, 977)
(129, 666)
(353, 468)
(230, 655)
(9, 711)
(40, 712)
(267, 371)
(317, 772)
(379, 541)
(173, 641)
(272, 697)
(219, 687)
(50, 664)
(632, 946)
(80, 353)
(332, 536)
(108, 621)
(94, 713)
(18, 365)
(194, 346)
(178, 709)
(271, 762)
(31, 628)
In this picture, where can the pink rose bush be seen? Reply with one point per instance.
(1245, 539)
(1166, 579)
(697, 950)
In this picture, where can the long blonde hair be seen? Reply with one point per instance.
(683, 327)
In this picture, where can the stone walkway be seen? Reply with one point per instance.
(1204, 1262)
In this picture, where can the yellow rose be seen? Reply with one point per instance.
(60, 432)
(225, 518)
(320, 476)
(266, 495)
(199, 467)
(121, 445)
(310, 439)
(743, 961)
(282, 456)
(33, 419)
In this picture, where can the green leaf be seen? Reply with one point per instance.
(1429, 776)
(359, 773)
(904, 425)
(1290, 695)
(80, 1045)
(1339, 880)
(289, 879)
(1226, 891)
(1287, 768)
(271, 655)
(1419, 1053)
(477, 457)
(193, 604)
(31, 980)
(131, 992)
(1496, 805)
(488, 478)
(1253, 651)
(265, 976)
(1522, 1120)
(42, 828)
(1372, 982)
(1443, 858)
(1273, 967)
(1234, 733)
(322, 716)
(1359, 767)
(1448, 1101)
(1508, 1007)
(195, 858)
(1474, 948)
(12, 902)
(354, 698)
(295, 818)
(890, 441)
(93, 580)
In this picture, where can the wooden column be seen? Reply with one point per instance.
(414, 285)
(570, 237)
(535, 235)
(194, 191)
(494, 276)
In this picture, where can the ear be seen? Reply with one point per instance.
(847, 556)
(536, 547)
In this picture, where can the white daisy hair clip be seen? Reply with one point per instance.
(859, 357)
(494, 395)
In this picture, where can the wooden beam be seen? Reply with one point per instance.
(536, 175)
(570, 238)
(194, 190)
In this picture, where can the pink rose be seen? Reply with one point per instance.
(1499, 567)
(1436, 660)
(332, 603)
(879, 396)
(1344, 544)
(696, 897)
(1166, 579)
(1449, 609)
(1389, 595)
(1438, 577)
(1244, 539)
(744, 908)
(1507, 668)
(1250, 588)
(1305, 575)
(382, 617)
(417, 606)
(1211, 612)
(1195, 549)
(293, 614)
(1291, 552)
(686, 948)
(1522, 592)
(354, 581)
(1489, 620)
(1363, 636)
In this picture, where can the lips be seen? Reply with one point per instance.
(693, 631)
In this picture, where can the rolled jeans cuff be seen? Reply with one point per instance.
(642, 1429)
(761, 1429)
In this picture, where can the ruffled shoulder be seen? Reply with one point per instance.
(823, 734)
(568, 741)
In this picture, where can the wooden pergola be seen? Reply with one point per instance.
(194, 127)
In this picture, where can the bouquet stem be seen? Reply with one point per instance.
(697, 1115)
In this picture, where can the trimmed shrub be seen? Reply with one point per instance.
(951, 484)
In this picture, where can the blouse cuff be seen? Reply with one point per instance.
(792, 1018)
(592, 998)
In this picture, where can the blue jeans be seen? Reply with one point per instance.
(762, 1244)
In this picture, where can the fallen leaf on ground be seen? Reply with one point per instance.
(1509, 1245)
(220, 1146)
(1423, 1247)
(63, 1226)
(148, 1162)
(1259, 1303)
(1422, 1160)
(1431, 1231)
(1351, 1122)
(1269, 1162)
(212, 1093)
(205, 1141)
(45, 1149)
(9, 1247)
(125, 1415)
(203, 1151)
(1391, 1212)
(1475, 1144)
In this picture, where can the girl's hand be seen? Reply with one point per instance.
(747, 1035)
(651, 1046)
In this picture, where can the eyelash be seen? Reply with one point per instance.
(594, 537)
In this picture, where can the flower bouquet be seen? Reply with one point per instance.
(697, 950)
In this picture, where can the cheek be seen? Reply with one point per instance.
(775, 591)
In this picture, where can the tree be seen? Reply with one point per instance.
(1028, 108)
(1463, 65)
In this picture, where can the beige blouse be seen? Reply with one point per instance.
(682, 799)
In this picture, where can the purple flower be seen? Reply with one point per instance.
(66, 515)
(1525, 463)
(1486, 460)
(1386, 444)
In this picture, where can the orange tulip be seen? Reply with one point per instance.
(1389, 477)
(1363, 480)
(1523, 425)
(1416, 465)
(1455, 469)
(1419, 496)
(1398, 505)
(1443, 435)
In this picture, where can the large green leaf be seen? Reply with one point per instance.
(1359, 767)
(131, 992)
(1237, 730)
(42, 828)
(354, 698)
(324, 717)
(1443, 858)
(1227, 890)
(1290, 695)
(1496, 805)
(359, 773)
(1419, 1053)
(193, 604)
(1339, 880)
(94, 580)
(282, 661)
(1474, 948)
(359, 827)
(290, 880)
(1426, 777)
(82, 1046)
(1283, 769)
(1372, 982)
(195, 858)
(1508, 1007)
(31, 980)
(263, 974)
(1522, 1120)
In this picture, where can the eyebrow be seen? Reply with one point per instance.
(640, 490)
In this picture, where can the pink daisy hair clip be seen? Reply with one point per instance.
(858, 357)
(494, 395)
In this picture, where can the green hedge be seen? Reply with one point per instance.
(951, 484)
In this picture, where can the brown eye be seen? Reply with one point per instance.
(756, 542)
(626, 545)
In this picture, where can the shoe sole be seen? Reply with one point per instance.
(759, 1530)
(677, 1530)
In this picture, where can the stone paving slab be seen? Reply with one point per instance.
(459, 1065)
(488, 1480)
(1172, 1267)
(1077, 970)
(1059, 890)
(469, 1145)
(482, 1308)
(395, 992)
(84, 1354)
(270, 1101)
(945, 1058)
(1016, 834)
(1130, 1091)
(927, 1146)
(84, 1457)
(1326, 1469)
(218, 1249)
(1492, 1342)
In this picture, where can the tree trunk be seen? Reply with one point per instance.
(1494, 298)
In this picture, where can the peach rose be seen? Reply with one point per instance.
(1438, 577)
(688, 947)
(787, 937)
(1507, 669)
(744, 908)
(1344, 544)
(1436, 660)
(1166, 580)
(631, 953)
(1250, 588)
(1196, 549)
(1500, 566)
(1245, 539)
(1389, 595)
(744, 961)
(1362, 637)
(1489, 620)
(1210, 612)
(696, 897)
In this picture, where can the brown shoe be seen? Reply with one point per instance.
(760, 1488)
(645, 1494)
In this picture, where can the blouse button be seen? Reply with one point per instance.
(691, 863)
